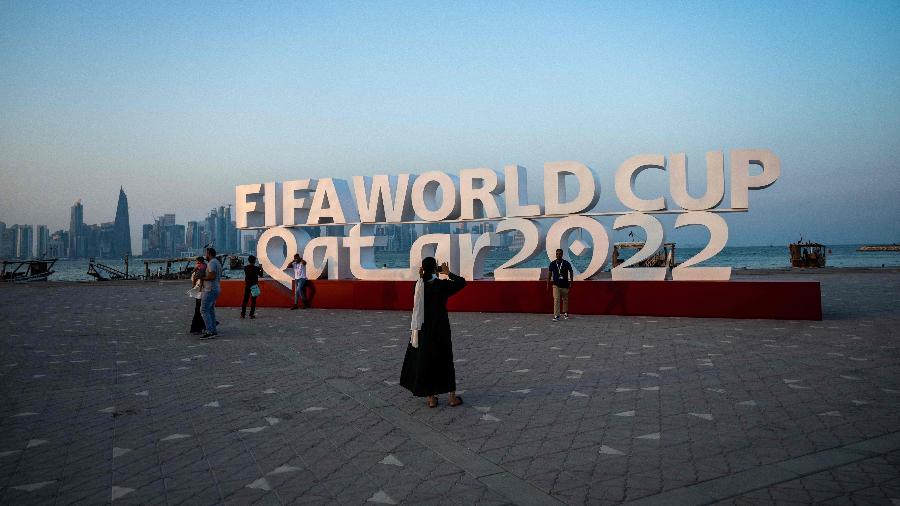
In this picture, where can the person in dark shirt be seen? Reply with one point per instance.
(252, 272)
(560, 275)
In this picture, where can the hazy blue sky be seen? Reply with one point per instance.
(179, 103)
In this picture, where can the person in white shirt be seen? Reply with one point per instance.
(299, 266)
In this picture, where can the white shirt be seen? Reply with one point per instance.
(299, 271)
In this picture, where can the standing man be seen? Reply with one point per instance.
(299, 265)
(210, 293)
(560, 273)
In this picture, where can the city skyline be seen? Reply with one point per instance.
(180, 104)
(112, 239)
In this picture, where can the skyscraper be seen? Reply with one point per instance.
(43, 241)
(121, 241)
(210, 228)
(221, 238)
(228, 243)
(192, 235)
(76, 231)
(24, 241)
(2, 240)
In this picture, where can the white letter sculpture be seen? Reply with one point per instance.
(274, 256)
(332, 203)
(555, 190)
(655, 238)
(480, 201)
(249, 213)
(387, 200)
(626, 175)
(295, 210)
(742, 181)
(715, 182)
(559, 236)
(516, 197)
(425, 196)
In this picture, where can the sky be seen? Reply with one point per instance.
(179, 102)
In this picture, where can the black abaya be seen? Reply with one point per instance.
(428, 369)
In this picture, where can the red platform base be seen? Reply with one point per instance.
(779, 300)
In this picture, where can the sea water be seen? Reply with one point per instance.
(738, 257)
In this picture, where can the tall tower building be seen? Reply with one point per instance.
(42, 250)
(25, 242)
(221, 239)
(121, 241)
(76, 231)
(211, 228)
(227, 243)
(192, 235)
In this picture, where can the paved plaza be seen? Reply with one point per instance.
(106, 397)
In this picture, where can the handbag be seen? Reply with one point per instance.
(195, 292)
(254, 290)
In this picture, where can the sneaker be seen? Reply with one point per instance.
(556, 318)
(242, 317)
(208, 336)
(252, 317)
(566, 316)
(293, 308)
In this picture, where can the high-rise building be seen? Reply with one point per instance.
(24, 241)
(2, 239)
(211, 228)
(146, 232)
(76, 233)
(192, 235)
(121, 244)
(221, 236)
(59, 244)
(92, 238)
(42, 249)
(228, 243)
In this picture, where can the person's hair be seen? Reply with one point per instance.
(297, 255)
(429, 266)
(251, 259)
(559, 250)
(201, 259)
(211, 251)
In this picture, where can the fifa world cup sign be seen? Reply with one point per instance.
(285, 209)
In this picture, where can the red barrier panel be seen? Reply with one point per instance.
(779, 300)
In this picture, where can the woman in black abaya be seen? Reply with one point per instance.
(428, 366)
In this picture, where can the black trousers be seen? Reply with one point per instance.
(252, 301)
(197, 324)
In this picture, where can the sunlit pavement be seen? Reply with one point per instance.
(106, 397)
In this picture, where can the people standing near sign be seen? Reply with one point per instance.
(561, 275)
(428, 365)
(252, 272)
(299, 266)
(210, 293)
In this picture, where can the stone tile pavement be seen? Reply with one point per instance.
(104, 397)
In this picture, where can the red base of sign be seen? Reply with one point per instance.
(779, 300)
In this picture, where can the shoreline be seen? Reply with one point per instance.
(736, 274)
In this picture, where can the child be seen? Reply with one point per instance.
(199, 273)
